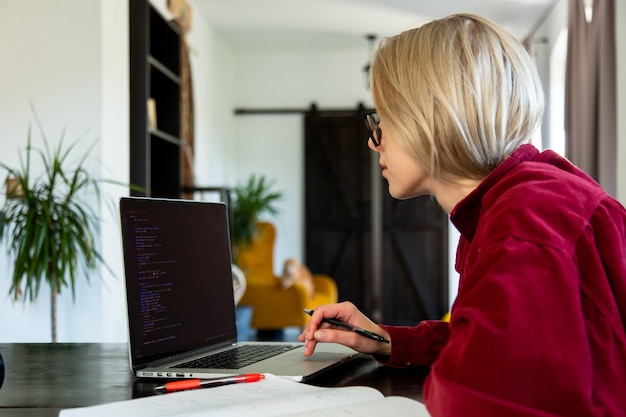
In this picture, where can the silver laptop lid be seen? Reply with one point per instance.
(178, 277)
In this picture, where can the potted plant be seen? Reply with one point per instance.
(47, 228)
(251, 200)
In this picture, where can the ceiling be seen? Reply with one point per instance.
(305, 24)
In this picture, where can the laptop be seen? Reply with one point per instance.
(180, 302)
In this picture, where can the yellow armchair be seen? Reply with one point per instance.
(272, 306)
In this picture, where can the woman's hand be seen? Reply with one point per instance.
(316, 331)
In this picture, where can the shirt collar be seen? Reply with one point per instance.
(466, 213)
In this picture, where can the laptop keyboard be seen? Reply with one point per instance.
(237, 357)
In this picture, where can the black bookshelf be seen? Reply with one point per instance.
(155, 135)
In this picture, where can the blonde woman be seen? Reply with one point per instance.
(538, 327)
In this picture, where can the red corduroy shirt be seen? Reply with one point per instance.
(538, 327)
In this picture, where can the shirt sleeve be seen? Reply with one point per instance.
(418, 345)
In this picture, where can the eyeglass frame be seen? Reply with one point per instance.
(371, 123)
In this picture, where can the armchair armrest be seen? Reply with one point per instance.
(325, 287)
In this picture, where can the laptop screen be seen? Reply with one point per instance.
(178, 276)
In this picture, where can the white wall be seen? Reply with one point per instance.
(213, 79)
(115, 152)
(55, 63)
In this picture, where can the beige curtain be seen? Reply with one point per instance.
(590, 92)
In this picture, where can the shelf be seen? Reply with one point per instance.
(164, 42)
(174, 140)
(155, 102)
(165, 92)
(164, 168)
(162, 68)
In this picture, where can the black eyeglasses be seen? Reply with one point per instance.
(371, 123)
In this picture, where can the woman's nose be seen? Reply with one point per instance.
(370, 144)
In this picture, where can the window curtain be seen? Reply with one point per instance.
(590, 92)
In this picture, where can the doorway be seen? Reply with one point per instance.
(388, 257)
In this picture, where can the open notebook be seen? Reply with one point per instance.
(179, 292)
(272, 396)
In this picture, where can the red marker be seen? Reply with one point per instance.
(205, 383)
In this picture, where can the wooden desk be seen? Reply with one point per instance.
(40, 378)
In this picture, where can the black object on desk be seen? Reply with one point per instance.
(1, 370)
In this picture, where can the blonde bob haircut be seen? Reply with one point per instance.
(458, 94)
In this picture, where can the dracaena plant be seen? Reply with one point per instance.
(46, 226)
(250, 200)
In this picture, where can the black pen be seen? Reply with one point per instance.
(358, 330)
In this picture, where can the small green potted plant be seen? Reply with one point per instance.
(46, 226)
(251, 200)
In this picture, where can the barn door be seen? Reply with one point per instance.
(410, 284)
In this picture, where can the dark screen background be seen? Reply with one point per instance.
(178, 276)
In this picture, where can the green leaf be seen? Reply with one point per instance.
(250, 201)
